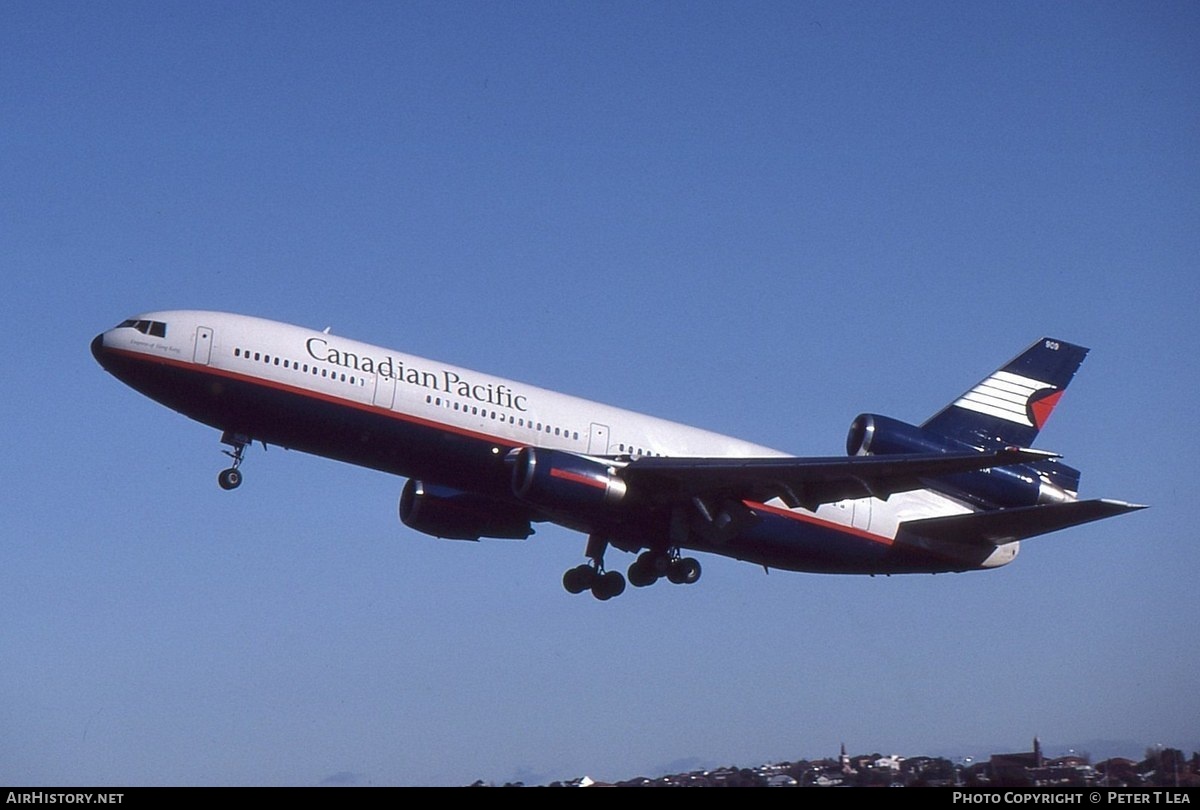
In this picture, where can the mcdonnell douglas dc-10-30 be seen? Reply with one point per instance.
(488, 457)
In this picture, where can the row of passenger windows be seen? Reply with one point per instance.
(519, 421)
(302, 368)
(635, 451)
(441, 402)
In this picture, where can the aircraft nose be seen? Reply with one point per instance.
(98, 348)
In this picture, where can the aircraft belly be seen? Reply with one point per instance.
(808, 545)
(321, 425)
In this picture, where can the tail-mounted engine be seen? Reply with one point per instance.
(874, 435)
(999, 487)
(555, 480)
(457, 515)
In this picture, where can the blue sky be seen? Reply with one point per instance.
(761, 219)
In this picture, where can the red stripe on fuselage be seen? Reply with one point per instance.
(816, 521)
(212, 371)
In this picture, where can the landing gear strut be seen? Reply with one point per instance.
(231, 478)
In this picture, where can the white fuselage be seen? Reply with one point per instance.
(273, 359)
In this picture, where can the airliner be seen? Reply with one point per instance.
(487, 457)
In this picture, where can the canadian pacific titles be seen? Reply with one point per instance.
(450, 382)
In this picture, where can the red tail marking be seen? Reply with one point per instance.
(1041, 408)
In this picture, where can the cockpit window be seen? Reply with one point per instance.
(153, 328)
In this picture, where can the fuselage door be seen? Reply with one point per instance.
(862, 513)
(385, 391)
(598, 439)
(204, 341)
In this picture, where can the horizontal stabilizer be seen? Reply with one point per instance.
(1007, 525)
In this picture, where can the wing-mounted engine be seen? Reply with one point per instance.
(457, 515)
(558, 481)
(1035, 482)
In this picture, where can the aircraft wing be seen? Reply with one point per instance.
(807, 482)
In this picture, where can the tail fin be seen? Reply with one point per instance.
(1011, 405)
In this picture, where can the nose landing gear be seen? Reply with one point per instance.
(231, 478)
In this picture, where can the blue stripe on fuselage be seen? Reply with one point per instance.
(401, 444)
(318, 423)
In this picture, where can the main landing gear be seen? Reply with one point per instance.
(649, 567)
(231, 478)
(604, 585)
(591, 576)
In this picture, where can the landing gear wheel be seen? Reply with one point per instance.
(641, 575)
(608, 585)
(230, 478)
(684, 571)
(579, 578)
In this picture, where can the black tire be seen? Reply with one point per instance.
(608, 585)
(579, 578)
(655, 562)
(684, 571)
(230, 478)
(641, 575)
(689, 568)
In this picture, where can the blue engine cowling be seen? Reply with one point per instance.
(457, 515)
(559, 481)
(998, 487)
(875, 435)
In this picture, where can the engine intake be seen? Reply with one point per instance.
(457, 515)
(875, 435)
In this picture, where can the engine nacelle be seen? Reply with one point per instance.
(556, 480)
(457, 515)
(875, 435)
(998, 487)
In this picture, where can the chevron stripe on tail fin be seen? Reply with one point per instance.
(1012, 404)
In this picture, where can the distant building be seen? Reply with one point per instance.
(1013, 770)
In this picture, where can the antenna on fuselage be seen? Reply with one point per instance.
(325, 331)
